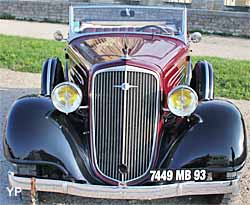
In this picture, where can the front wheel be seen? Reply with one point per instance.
(52, 74)
(203, 80)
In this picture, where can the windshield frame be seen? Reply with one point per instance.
(72, 34)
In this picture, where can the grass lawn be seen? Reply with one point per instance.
(27, 54)
(232, 77)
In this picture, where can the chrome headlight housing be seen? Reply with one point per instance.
(66, 97)
(182, 100)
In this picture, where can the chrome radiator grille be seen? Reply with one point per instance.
(125, 106)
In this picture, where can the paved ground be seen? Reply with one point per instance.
(227, 47)
(31, 29)
(16, 84)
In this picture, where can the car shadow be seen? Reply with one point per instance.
(51, 198)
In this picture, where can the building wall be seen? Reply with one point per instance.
(219, 22)
(225, 22)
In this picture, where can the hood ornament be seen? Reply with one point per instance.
(126, 51)
(125, 86)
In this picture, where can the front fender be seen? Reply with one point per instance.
(36, 133)
(217, 141)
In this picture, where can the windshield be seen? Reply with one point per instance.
(158, 20)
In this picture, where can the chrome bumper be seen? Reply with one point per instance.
(132, 192)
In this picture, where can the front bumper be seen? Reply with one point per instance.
(130, 192)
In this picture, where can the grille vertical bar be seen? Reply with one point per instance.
(125, 121)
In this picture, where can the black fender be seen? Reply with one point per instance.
(216, 142)
(52, 74)
(203, 80)
(36, 133)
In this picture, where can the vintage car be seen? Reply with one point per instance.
(129, 116)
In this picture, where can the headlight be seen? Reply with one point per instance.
(182, 100)
(66, 97)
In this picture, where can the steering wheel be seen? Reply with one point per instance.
(164, 30)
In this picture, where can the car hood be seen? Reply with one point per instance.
(150, 49)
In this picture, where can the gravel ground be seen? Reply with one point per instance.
(16, 84)
(225, 47)
(31, 29)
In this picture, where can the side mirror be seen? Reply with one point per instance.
(195, 37)
(58, 36)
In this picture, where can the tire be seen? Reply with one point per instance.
(203, 80)
(27, 170)
(52, 74)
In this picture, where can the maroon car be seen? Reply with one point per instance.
(129, 116)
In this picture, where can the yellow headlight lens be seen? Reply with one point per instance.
(182, 100)
(66, 97)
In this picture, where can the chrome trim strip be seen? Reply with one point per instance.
(78, 59)
(189, 72)
(165, 109)
(77, 35)
(77, 75)
(211, 86)
(184, 26)
(127, 192)
(71, 20)
(207, 81)
(49, 77)
(125, 68)
(211, 96)
(84, 107)
(175, 76)
(124, 121)
(125, 6)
